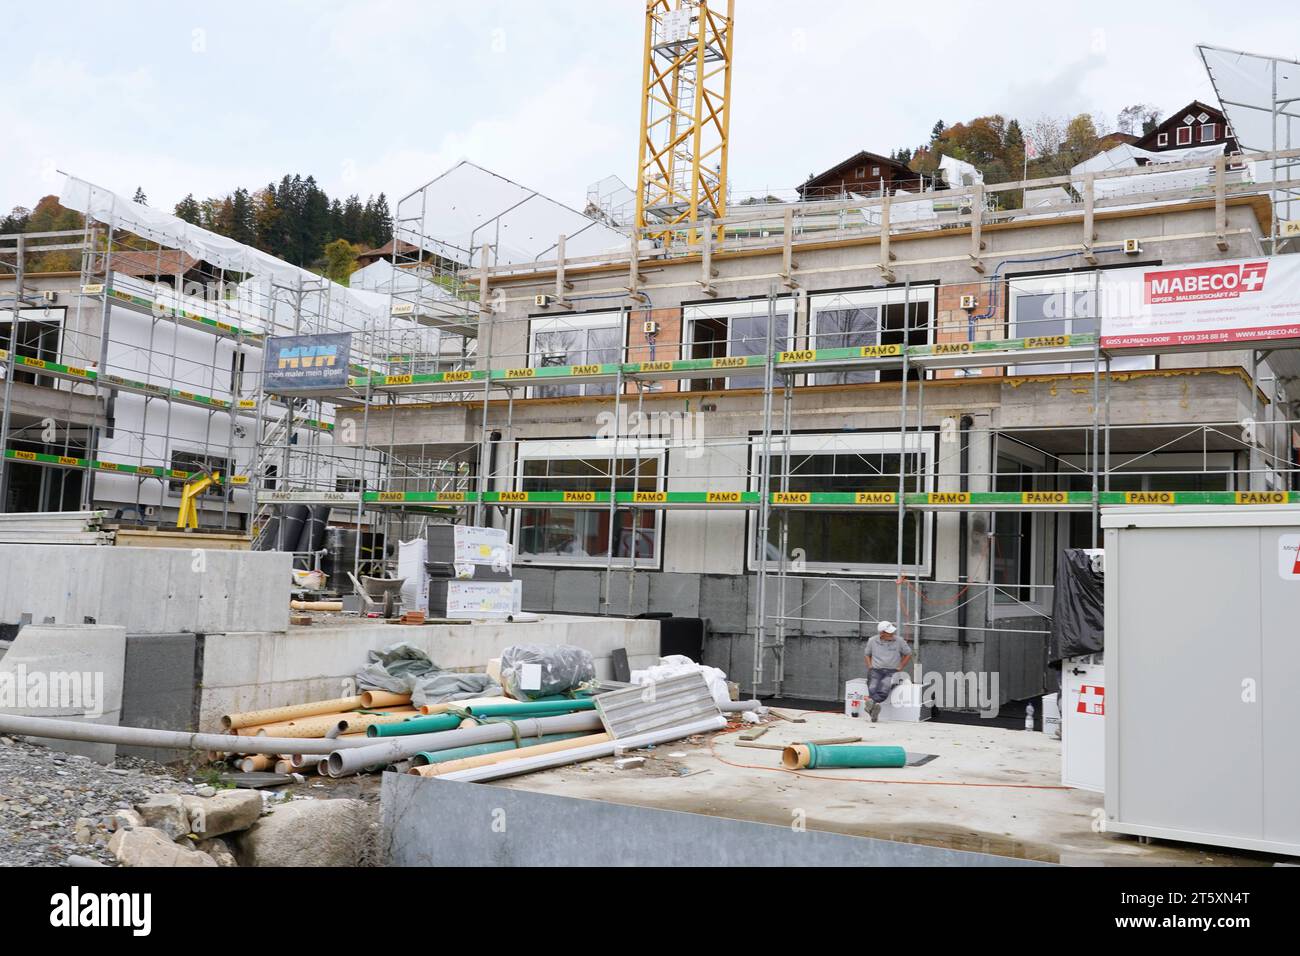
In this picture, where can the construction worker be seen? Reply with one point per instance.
(887, 654)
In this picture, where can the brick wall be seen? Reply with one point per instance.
(953, 322)
(668, 342)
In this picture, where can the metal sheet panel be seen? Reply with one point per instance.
(656, 706)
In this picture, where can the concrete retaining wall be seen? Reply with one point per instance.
(146, 590)
(835, 616)
(250, 671)
(446, 823)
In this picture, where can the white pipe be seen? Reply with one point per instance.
(510, 768)
(391, 749)
(740, 706)
(170, 739)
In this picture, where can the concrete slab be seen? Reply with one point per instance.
(72, 671)
(990, 791)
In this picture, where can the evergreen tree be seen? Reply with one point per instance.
(187, 209)
(140, 197)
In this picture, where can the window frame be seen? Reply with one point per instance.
(586, 449)
(577, 321)
(1162, 139)
(1211, 128)
(693, 312)
(1067, 284)
(878, 297)
(1178, 136)
(863, 442)
(1041, 533)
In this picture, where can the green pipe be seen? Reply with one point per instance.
(440, 756)
(530, 708)
(844, 755)
(416, 725)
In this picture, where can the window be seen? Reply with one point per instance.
(582, 536)
(194, 462)
(37, 337)
(1060, 305)
(1208, 132)
(1184, 136)
(1014, 548)
(236, 373)
(730, 329)
(1147, 472)
(848, 542)
(1162, 139)
(586, 339)
(870, 317)
(875, 171)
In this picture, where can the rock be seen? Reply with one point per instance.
(165, 812)
(219, 850)
(312, 833)
(205, 791)
(125, 819)
(146, 846)
(76, 860)
(227, 812)
(85, 832)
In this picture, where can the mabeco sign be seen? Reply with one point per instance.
(1247, 300)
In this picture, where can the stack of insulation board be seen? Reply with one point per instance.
(55, 527)
(470, 573)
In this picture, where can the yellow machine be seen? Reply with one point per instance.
(188, 516)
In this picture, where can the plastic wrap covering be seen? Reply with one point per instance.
(530, 671)
(1078, 610)
(404, 669)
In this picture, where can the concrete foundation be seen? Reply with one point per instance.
(146, 590)
(66, 671)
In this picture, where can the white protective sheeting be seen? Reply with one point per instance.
(1249, 85)
(1126, 156)
(340, 308)
(468, 207)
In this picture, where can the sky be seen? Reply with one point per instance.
(381, 96)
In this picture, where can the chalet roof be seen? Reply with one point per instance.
(864, 157)
(1195, 108)
(386, 250)
(152, 262)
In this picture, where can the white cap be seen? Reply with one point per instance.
(884, 627)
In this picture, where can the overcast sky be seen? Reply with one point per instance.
(381, 96)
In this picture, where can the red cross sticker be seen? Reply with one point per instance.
(1092, 700)
(1252, 275)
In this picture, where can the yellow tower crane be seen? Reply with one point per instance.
(685, 112)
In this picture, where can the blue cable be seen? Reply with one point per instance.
(993, 284)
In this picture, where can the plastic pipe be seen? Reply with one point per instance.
(740, 706)
(383, 752)
(428, 709)
(381, 698)
(250, 718)
(521, 753)
(426, 757)
(174, 739)
(256, 762)
(812, 756)
(512, 768)
(531, 708)
(416, 725)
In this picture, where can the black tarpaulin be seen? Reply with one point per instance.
(1078, 609)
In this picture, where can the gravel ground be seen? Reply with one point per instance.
(54, 805)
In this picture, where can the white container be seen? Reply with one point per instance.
(1052, 715)
(855, 691)
(904, 703)
(1083, 730)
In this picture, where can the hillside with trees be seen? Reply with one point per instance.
(294, 220)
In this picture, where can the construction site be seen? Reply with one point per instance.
(880, 527)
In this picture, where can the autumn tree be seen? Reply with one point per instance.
(340, 260)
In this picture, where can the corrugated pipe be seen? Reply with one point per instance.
(813, 756)
(172, 739)
(512, 768)
(386, 751)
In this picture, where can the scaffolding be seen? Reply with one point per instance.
(436, 333)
